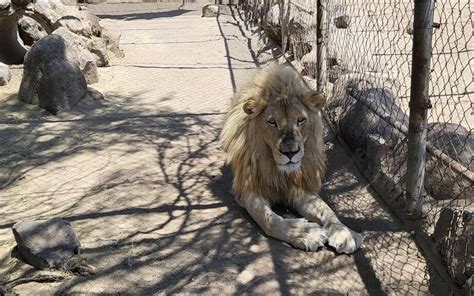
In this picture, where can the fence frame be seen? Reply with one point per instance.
(419, 104)
(321, 63)
(417, 129)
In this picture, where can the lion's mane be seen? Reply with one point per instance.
(250, 157)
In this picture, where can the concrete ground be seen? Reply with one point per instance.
(142, 179)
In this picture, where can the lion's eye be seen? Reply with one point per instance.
(271, 123)
(301, 121)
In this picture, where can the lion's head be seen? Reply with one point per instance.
(285, 121)
(273, 132)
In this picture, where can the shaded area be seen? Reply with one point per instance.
(145, 15)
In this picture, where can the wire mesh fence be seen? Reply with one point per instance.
(363, 49)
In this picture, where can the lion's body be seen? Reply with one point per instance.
(250, 158)
(273, 137)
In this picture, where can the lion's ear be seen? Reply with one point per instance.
(314, 100)
(253, 107)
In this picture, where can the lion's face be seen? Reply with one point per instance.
(285, 125)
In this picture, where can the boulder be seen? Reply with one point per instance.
(46, 244)
(92, 19)
(98, 48)
(77, 46)
(342, 21)
(111, 35)
(30, 30)
(5, 5)
(210, 10)
(52, 78)
(5, 74)
(365, 112)
(371, 112)
(442, 182)
(454, 239)
(57, 15)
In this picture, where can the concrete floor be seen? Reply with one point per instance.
(141, 177)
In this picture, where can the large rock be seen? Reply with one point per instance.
(210, 10)
(52, 78)
(111, 35)
(59, 15)
(5, 74)
(46, 244)
(454, 239)
(364, 109)
(98, 48)
(371, 112)
(442, 182)
(5, 5)
(30, 30)
(92, 19)
(77, 46)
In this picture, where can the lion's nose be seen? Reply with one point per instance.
(290, 154)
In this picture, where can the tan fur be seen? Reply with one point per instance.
(273, 136)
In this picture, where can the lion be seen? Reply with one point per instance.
(273, 138)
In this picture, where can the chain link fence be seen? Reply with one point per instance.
(362, 53)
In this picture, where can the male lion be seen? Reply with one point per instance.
(273, 136)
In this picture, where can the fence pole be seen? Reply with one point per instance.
(321, 45)
(419, 103)
(284, 19)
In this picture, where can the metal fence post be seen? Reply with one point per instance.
(419, 103)
(321, 45)
(284, 18)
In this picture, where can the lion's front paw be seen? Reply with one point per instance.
(343, 239)
(305, 235)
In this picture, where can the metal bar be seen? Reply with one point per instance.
(284, 19)
(321, 74)
(419, 103)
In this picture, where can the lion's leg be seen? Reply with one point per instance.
(298, 232)
(313, 208)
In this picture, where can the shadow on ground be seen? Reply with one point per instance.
(144, 16)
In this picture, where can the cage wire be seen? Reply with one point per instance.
(368, 46)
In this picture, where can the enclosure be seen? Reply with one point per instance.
(137, 169)
(399, 74)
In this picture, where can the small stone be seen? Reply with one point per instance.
(94, 94)
(46, 243)
(210, 10)
(342, 22)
